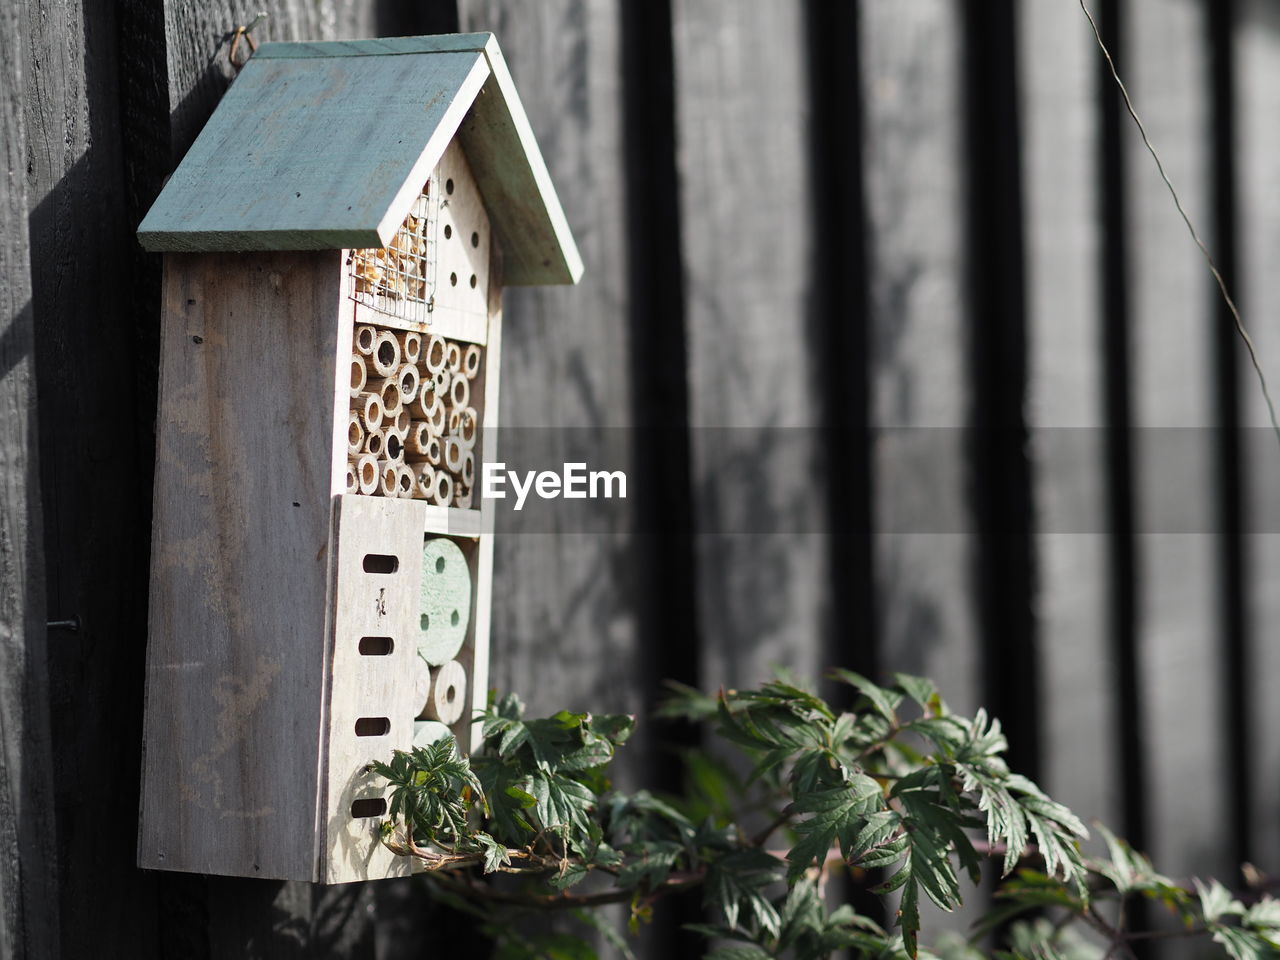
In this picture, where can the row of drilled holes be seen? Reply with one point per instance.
(378, 563)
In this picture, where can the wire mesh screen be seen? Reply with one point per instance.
(400, 278)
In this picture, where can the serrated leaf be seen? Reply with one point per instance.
(885, 701)
(736, 883)
(838, 816)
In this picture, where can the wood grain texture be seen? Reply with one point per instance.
(1173, 313)
(1065, 406)
(1257, 36)
(911, 85)
(95, 547)
(28, 864)
(241, 532)
(753, 396)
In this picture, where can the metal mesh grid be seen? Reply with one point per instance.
(400, 279)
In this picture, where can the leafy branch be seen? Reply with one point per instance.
(897, 784)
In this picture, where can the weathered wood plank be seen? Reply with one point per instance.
(96, 546)
(746, 238)
(563, 620)
(28, 865)
(912, 154)
(911, 82)
(1060, 125)
(1257, 33)
(1173, 313)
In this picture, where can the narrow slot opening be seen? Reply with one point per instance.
(381, 563)
(376, 646)
(373, 727)
(368, 807)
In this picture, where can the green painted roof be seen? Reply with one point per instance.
(325, 146)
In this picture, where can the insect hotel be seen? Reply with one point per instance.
(336, 242)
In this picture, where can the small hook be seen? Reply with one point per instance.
(247, 33)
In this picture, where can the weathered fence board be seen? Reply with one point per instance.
(1172, 376)
(913, 142)
(746, 238)
(1065, 410)
(564, 629)
(1257, 37)
(28, 863)
(919, 401)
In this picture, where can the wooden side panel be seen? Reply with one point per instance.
(1060, 125)
(1258, 85)
(753, 392)
(239, 564)
(1173, 310)
(378, 568)
(912, 121)
(28, 864)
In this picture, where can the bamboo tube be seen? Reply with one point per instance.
(454, 454)
(386, 354)
(410, 346)
(409, 382)
(388, 477)
(471, 361)
(359, 373)
(402, 421)
(460, 391)
(365, 336)
(392, 445)
(433, 411)
(367, 473)
(455, 422)
(434, 355)
(353, 485)
(469, 469)
(369, 408)
(443, 493)
(388, 391)
(417, 442)
(462, 497)
(374, 442)
(448, 693)
(424, 481)
(469, 426)
(453, 356)
(435, 451)
(406, 482)
(355, 435)
(441, 380)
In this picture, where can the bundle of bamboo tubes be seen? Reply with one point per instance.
(414, 423)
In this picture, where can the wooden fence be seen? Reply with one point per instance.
(1025, 455)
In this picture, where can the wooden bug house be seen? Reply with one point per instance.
(336, 242)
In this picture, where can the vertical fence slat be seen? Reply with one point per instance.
(1258, 86)
(1065, 405)
(913, 156)
(28, 860)
(564, 619)
(741, 106)
(919, 397)
(1173, 312)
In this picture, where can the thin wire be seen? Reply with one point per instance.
(1195, 235)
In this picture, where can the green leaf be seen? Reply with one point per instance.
(839, 816)
(885, 701)
(495, 853)
(560, 801)
(736, 883)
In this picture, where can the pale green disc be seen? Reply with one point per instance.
(427, 732)
(444, 605)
